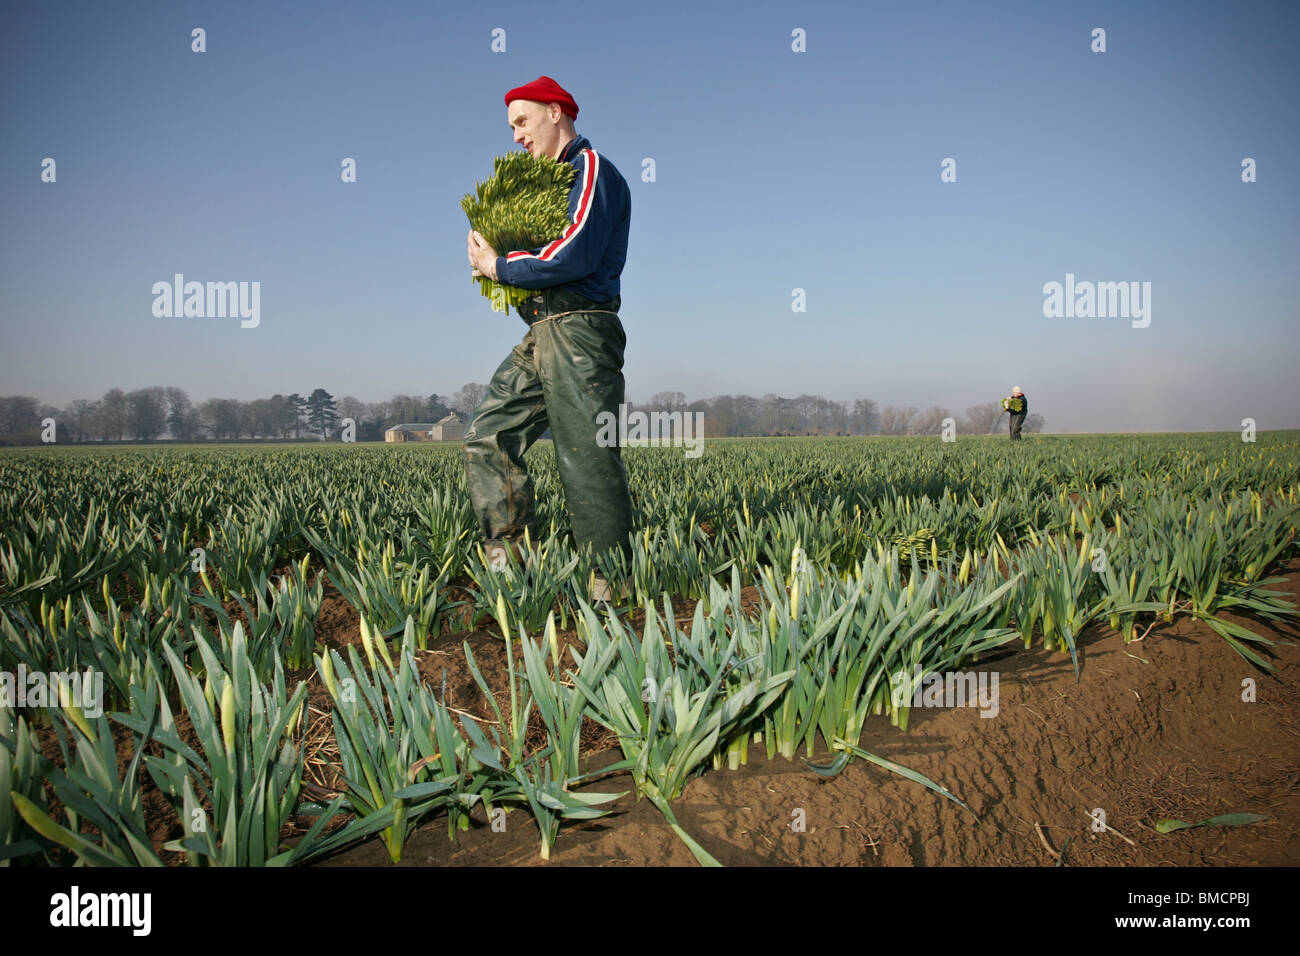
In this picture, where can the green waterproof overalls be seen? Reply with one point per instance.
(566, 371)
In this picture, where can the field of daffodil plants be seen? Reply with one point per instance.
(159, 610)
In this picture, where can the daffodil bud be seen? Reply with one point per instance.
(228, 715)
(367, 642)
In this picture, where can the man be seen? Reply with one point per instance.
(569, 366)
(1018, 407)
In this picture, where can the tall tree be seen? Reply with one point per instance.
(289, 414)
(437, 407)
(468, 398)
(81, 413)
(146, 412)
(219, 417)
(322, 415)
(749, 414)
(407, 409)
(295, 408)
(371, 426)
(182, 420)
(895, 420)
(930, 421)
(866, 417)
(720, 419)
(352, 407)
(667, 402)
(113, 409)
(262, 418)
(984, 418)
(19, 413)
(807, 413)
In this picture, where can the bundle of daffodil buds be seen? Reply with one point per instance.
(524, 205)
(1013, 404)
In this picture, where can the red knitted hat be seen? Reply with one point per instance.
(545, 90)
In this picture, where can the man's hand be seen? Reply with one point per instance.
(482, 257)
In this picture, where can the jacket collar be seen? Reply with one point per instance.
(575, 146)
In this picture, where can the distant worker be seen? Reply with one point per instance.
(1017, 406)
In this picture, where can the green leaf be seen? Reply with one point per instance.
(1233, 820)
(1226, 820)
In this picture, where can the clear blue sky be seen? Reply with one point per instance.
(775, 170)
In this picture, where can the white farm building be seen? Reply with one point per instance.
(448, 429)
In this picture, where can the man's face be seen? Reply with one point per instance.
(534, 128)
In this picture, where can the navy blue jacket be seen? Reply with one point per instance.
(589, 257)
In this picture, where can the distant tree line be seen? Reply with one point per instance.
(743, 415)
(166, 412)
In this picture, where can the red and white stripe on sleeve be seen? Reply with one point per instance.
(590, 171)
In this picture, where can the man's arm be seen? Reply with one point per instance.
(594, 207)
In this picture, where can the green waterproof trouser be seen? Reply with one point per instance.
(567, 371)
(1017, 420)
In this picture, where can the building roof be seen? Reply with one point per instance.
(451, 419)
